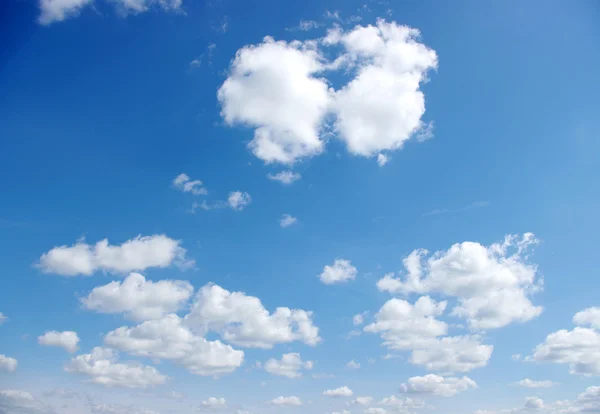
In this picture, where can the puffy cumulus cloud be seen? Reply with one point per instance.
(588, 317)
(453, 354)
(139, 299)
(437, 385)
(168, 338)
(341, 271)
(67, 340)
(244, 321)
(213, 402)
(273, 87)
(579, 348)
(237, 200)
(102, 368)
(493, 284)
(528, 383)
(289, 365)
(119, 409)
(22, 402)
(184, 183)
(339, 392)
(136, 254)
(534, 403)
(280, 90)
(7, 364)
(52, 11)
(287, 220)
(285, 177)
(292, 400)
(382, 106)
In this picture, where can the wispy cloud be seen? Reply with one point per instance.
(476, 204)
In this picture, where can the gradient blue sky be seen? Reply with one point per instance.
(101, 111)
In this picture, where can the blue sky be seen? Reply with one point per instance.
(468, 129)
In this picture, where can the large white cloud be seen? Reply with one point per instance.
(67, 340)
(272, 87)
(102, 368)
(137, 254)
(279, 89)
(290, 365)
(579, 348)
(22, 402)
(244, 321)
(493, 284)
(168, 338)
(341, 271)
(139, 299)
(7, 364)
(437, 385)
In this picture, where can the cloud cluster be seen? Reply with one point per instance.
(280, 89)
(137, 254)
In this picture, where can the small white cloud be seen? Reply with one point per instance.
(359, 319)
(195, 63)
(52, 11)
(437, 385)
(284, 177)
(289, 365)
(382, 159)
(287, 220)
(528, 383)
(516, 357)
(7, 364)
(292, 400)
(67, 340)
(534, 403)
(183, 182)
(237, 200)
(362, 401)
(341, 271)
(339, 392)
(213, 402)
(353, 365)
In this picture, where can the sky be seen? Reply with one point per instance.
(299, 207)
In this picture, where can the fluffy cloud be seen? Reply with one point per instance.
(341, 271)
(58, 10)
(436, 385)
(284, 177)
(534, 403)
(168, 338)
(183, 183)
(67, 340)
(401, 404)
(358, 319)
(382, 159)
(362, 400)
(527, 383)
(22, 402)
(353, 365)
(214, 402)
(286, 401)
(139, 299)
(339, 392)
(289, 365)
(272, 87)
(244, 321)
(453, 354)
(278, 88)
(102, 368)
(286, 220)
(7, 364)
(580, 347)
(237, 200)
(492, 284)
(588, 317)
(136, 254)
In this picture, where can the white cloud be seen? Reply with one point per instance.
(289, 365)
(493, 284)
(362, 400)
(125, 7)
(353, 365)
(588, 317)
(272, 87)
(7, 364)
(341, 271)
(102, 368)
(67, 340)
(437, 385)
(238, 200)
(52, 11)
(183, 182)
(139, 299)
(286, 401)
(118, 409)
(453, 354)
(534, 403)
(528, 383)
(341, 412)
(168, 338)
(136, 254)
(286, 220)
(279, 89)
(382, 159)
(22, 402)
(285, 177)
(401, 404)
(359, 319)
(339, 392)
(375, 410)
(3, 318)
(244, 321)
(214, 402)
(382, 106)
